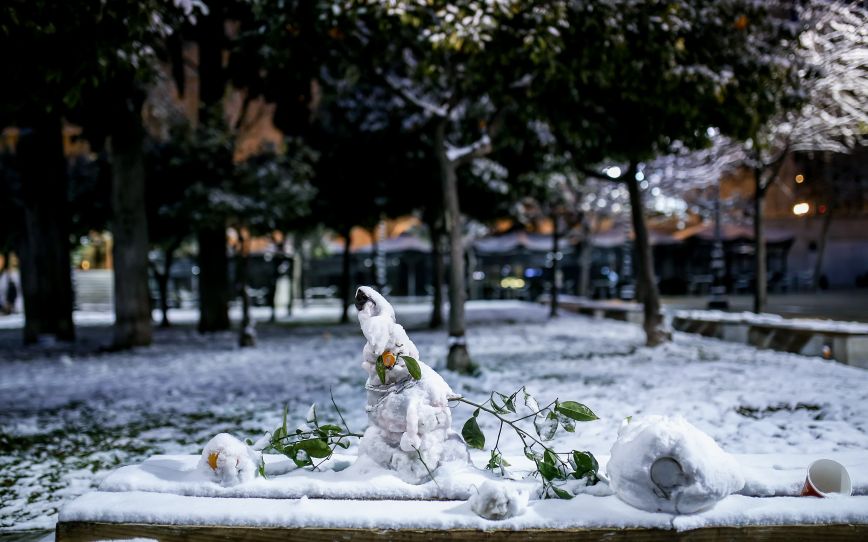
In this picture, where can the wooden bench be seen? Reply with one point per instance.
(169, 517)
(92, 532)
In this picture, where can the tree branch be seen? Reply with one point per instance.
(463, 155)
(409, 97)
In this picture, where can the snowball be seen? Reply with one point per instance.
(665, 464)
(229, 461)
(499, 500)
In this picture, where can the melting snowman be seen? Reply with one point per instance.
(410, 429)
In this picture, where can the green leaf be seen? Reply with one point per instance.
(473, 436)
(568, 424)
(315, 447)
(547, 471)
(299, 457)
(550, 458)
(546, 424)
(532, 455)
(311, 415)
(330, 428)
(493, 461)
(499, 408)
(562, 493)
(381, 370)
(585, 464)
(529, 401)
(248, 441)
(576, 411)
(508, 404)
(412, 367)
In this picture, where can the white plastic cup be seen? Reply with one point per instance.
(826, 477)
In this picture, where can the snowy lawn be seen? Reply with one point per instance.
(66, 420)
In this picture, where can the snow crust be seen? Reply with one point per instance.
(661, 463)
(765, 475)
(410, 428)
(342, 477)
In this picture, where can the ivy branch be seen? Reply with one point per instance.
(312, 441)
(550, 465)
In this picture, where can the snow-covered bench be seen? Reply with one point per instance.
(846, 342)
(615, 310)
(166, 499)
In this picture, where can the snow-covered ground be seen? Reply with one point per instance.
(67, 420)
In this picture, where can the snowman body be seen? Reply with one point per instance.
(410, 428)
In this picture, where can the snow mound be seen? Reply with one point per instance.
(410, 429)
(499, 500)
(228, 461)
(665, 464)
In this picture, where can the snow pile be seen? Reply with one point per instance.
(229, 461)
(666, 464)
(411, 423)
(499, 500)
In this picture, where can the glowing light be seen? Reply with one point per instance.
(85, 265)
(800, 178)
(512, 283)
(800, 209)
(614, 172)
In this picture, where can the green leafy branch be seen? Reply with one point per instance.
(313, 441)
(551, 466)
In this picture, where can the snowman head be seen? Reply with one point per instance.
(369, 303)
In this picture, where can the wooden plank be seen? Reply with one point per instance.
(92, 532)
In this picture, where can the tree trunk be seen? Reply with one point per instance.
(246, 335)
(345, 279)
(437, 276)
(213, 282)
(553, 302)
(295, 268)
(760, 285)
(821, 247)
(272, 287)
(585, 259)
(458, 359)
(46, 280)
(163, 283)
(130, 232)
(375, 264)
(655, 330)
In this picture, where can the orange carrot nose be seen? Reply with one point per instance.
(212, 460)
(388, 359)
